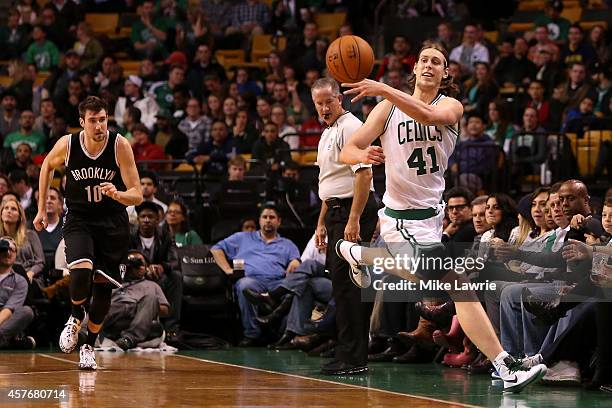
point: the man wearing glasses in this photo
(460, 228)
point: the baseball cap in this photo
(177, 58)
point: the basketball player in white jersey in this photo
(418, 134)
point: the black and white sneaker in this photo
(516, 377)
(87, 358)
(70, 335)
(359, 274)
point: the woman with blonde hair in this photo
(30, 254)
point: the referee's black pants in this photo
(352, 315)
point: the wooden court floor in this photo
(166, 380)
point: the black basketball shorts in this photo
(101, 240)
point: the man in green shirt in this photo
(163, 91)
(149, 33)
(42, 53)
(26, 135)
(558, 27)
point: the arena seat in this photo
(263, 44)
(103, 23)
(207, 290)
(228, 57)
(531, 5)
(329, 23)
(520, 27)
(588, 25)
(573, 14)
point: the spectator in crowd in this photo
(44, 122)
(469, 52)
(569, 94)
(132, 89)
(163, 91)
(103, 75)
(528, 148)
(500, 129)
(9, 115)
(402, 48)
(287, 133)
(581, 118)
(501, 216)
(5, 185)
(303, 51)
(558, 27)
(538, 102)
(446, 36)
(213, 154)
(474, 158)
(480, 89)
(195, 126)
(543, 43)
(214, 110)
(88, 47)
(291, 99)
(173, 141)
(14, 36)
(68, 108)
(203, 64)
(243, 134)
(42, 52)
(22, 189)
(577, 49)
(230, 108)
(51, 235)
(15, 317)
(218, 14)
(271, 151)
(135, 306)
(249, 17)
(156, 245)
(177, 222)
(23, 158)
(30, 255)
(58, 81)
(144, 149)
(149, 185)
(549, 72)
(264, 111)
(149, 33)
(21, 84)
(516, 69)
(597, 40)
(68, 13)
(57, 33)
(267, 257)
(604, 91)
(246, 84)
(26, 134)
(236, 167)
(460, 228)
(59, 129)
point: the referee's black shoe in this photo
(338, 367)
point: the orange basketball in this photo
(349, 59)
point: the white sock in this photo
(499, 360)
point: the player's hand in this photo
(40, 221)
(351, 231)
(109, 189)
(321, 237)
(364, 88)
(372, 155)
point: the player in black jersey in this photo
(101, 180)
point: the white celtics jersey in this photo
(416, 157)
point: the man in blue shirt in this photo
(267, 258)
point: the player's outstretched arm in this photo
(357, 149)
(129, 175)
(54, 160)
(447, 112)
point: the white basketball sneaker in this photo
(516, 377)
(87, 358)
(359, 274)
(70, 335)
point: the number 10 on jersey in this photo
(94, 193)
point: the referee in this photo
(348, 212)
